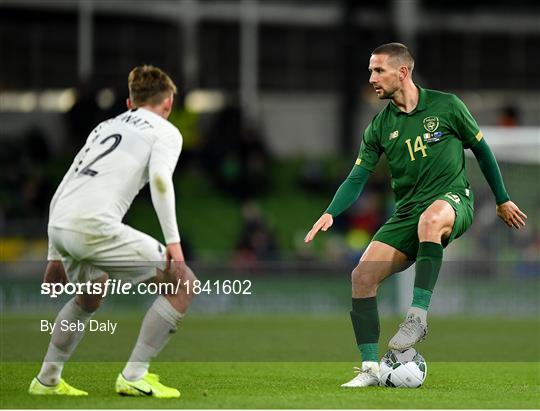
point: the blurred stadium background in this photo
(274, 97)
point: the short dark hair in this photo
(398, 51)
(149, 85)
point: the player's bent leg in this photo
(63, 344)
(160, 322)
(55, 273)
(436, 222)
(379, 261)
(91, 302)
(180, 272)
(434, 226)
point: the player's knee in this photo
(190, 274)
(431, 222)
(89, 303)
(362, 279)
(189, 277)
(188, 282)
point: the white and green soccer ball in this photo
(405, 369)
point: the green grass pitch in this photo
(285, 361)
(287, 385)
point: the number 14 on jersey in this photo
(418, 146)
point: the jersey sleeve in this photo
(465, 125)
(370, 150)
(490, 169)
(349, 191)
(163, 159)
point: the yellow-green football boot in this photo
(62, 388)
(148, 386)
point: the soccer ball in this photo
(404, 369)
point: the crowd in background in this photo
(231, 153)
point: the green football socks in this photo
(421, 298)
(365, 321)
(428, 265)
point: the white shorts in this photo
(128, 254)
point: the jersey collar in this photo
(421, 105)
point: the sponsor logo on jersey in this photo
(431, 123)
(393, 135)
(432, 137)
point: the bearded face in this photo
(384, 75)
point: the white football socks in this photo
(63, 343)
(159, 323)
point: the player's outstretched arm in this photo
(512, 216)
(323, 223)
(347, 193)
(163, 159)
(506, 209)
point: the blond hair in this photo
(149, 86)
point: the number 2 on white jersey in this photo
(92, 173)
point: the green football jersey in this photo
(424, 148)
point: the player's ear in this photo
(403, 73)
(128, 104)
(169, 103)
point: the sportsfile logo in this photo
(119, 287)
(109, 287)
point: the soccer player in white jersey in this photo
(88, 242)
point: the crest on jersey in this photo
(431, 123)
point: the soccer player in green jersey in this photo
(423, 134)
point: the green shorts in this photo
(401, 230)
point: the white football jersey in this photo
(120, 156)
